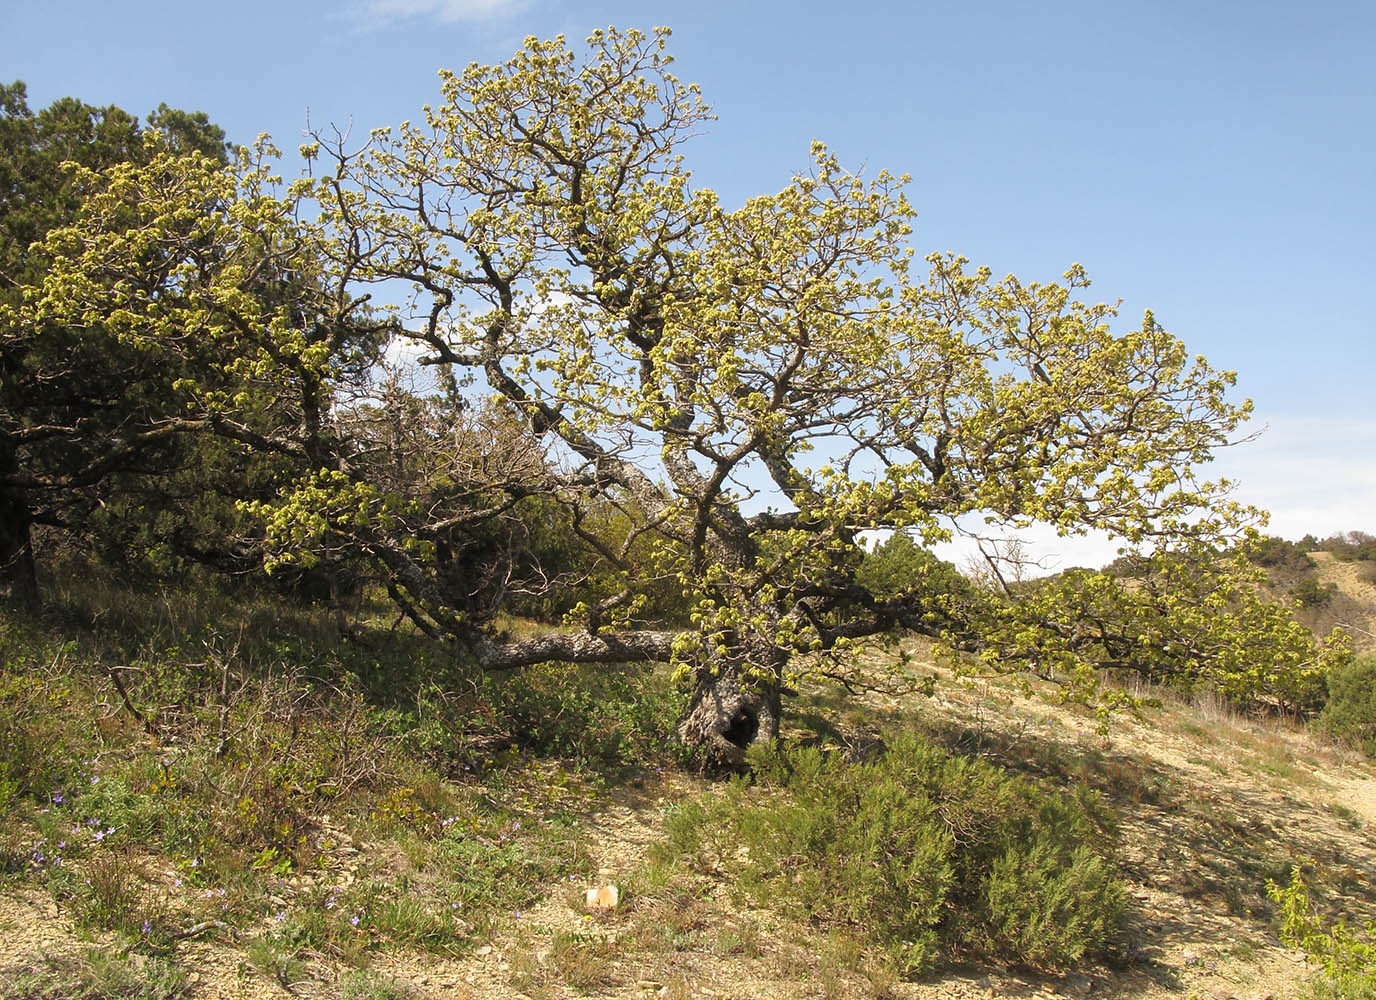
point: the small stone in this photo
(1079, 984)
(605, 898)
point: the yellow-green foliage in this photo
(1346, 958)
(1194, 618)
(656, 358)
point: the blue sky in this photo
(1211, 161)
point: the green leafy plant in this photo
(926, 853)
(1346, 957)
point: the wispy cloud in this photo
(443, 11)
(1314, 475)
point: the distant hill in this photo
(1352, 605)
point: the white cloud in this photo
(1044, 551)
(1314, 475)
(404, 352)
(443, 11)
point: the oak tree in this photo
(753, 386)
(708, 401)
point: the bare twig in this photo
(143, 720)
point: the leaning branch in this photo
(575, 647)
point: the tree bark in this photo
(18, 573)
(728, 713)
(575, 647)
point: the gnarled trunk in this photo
(729, 712)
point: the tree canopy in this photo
(77, 407)
(708, 402)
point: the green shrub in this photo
(1277, 553)
(900, 568)
(1350, 713)
(602, 715)
(930, 855)
(1312, 594)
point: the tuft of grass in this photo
(95, 974)
(277, 957)
(362, 984)
(583, 961)
(742, 937)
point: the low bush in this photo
(1350, 712)
(604, 716)
(1277, 553)
(1312, 594)
(929, 855)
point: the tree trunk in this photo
(18, 574)
(727, 714)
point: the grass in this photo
(157, 772)
(334, 809)
(94, 974)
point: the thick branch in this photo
(575, 647)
